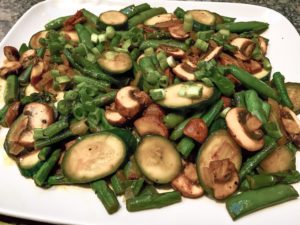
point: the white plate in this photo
(74, 205)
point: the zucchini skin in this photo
(102, 25)
(30, 171)
(293, 90)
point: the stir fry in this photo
(131, 100)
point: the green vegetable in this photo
(56, 23)
(144, 15)
(12, 89)
(240, 27)
(185, 146)
(278, 80)
(171, 120)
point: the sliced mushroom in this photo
(290, 121)
(28, 57)
(223, 177)
(71, 35)
(196, 129)
(36, 73)
(263, 45)
(245, 47)
(226, 59)
(12, 113)
(154, 110)
(253, 66)
(245, 129)
(178, 32)
(182, 73)
(150, 125)
(172, 51)
(10, 67)
(11, 53)
(113, 116)
(187, 182)
(167, 24)
(78, 17)
(214, 53)
(142, 97)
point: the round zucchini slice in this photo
(115, 62)
(203, 16)
(35, 39)
(113, 18)
(158, 159)
(281, 159)
(293, 90)
(30, 163)
(172, 99)
(94, 157)
(219, 150)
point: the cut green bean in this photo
(171, 120)
(213, 112)
(12, 89)
(45, 153)
(117, 182)
(56, 23)
(278, 80)
(185, 146)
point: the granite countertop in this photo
(12, 10)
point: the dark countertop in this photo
(9, 15)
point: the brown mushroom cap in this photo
(178, 32)
(151, 125)
(10, 67)
(182, 73)
(245, 47)
(172, 51)
(214, 53)
(239, 131)
(36, 73)
(11, 53)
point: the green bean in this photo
(91, 17)
(144, 15)
(25, 76)
(137, 186)
(225, 86)
(253, 161)
(131, 170)
(148, 190)
(56, 139)
(102, 86)
(55, 128)
(156, 43)
(185, 146)
(23, 48)
(260, 181)
(171, 120)
(105, 99)
(106, 195)
(254, 105)
(250, 201)
(179, 13)
(117, 182)
(213, 112)
(84, 36)
(127, 10)
(227, 19)
(266, 108)
(58, 180)
(289, 177)
(240, 27)
(56, 23)
(218, 124)
(42, 174)
(152, 201)
(45, 153)
(3, 113)
(252, 82)
(132, 10)
(64, 107)
(115, 41)
(178, 131)
(158, 35)
(278, 80)
(12, 89)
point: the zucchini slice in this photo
(158, 159)
(172, 99)
(115, 62)
(30, 163)
(35, 39)
(219, 146)
(160, 19)
(293, 90)
(282, 159)
(113, 18)
(263, 75)
(94, 157)
(203, 17)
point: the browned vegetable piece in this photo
(245, 47)
(172, 51)
(223, 178)
(263, 45)
(184, 72)
(11, 53)
(296, 140)
(151, 125)
(142, 97)
(113, 116)
(245, 129)
(154, 110)
(196, 129)
(227, 101)
(10, 67)
(213, 54)
(28, 57)
(167, 24)
(253, 66)
(12, 113)
(290, 121)
(36, 73)
(70, 35)
(69, 24)
(178, 32)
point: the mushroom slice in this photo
(253, 66)
(11, 53)
(166, 17)
(113, 116)
(12, 113)
(245, 47)
(249, 138)
(263, 45)
(290, 121)
(154, 110)
(10, 67)
(28, 57)
(126, 104)
(172, 51)
(36, 73)
(196, 129)
(142, 97)
(151, 125)
(181, 72)
(178, 32)
(71, 35)
(214, 53)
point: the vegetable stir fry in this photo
(132, 99)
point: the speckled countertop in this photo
(12, 10)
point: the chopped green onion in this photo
(224, 32)
(94, 38)
(163, 81)
(55, 73)
(194, 91)
(182, 91)
(224, 112)
(126, 44)
(266, 63)
(161, 55)
(62, 79)
(202, 45)
(110, 32)
(117, 49)
(96, 52)
(171, 61)
(188, 23)
(205, 35)
(152, 77)
(149, 51)
(91, 57)
(101, 38)
(157, 94)
(207, 82)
